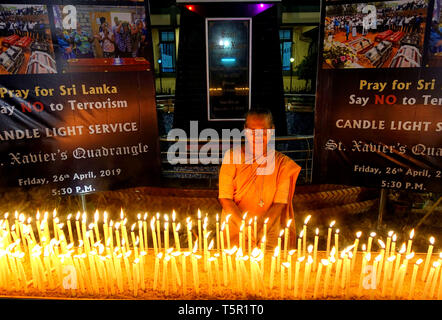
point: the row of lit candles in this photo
(92, 266)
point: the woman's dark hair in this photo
(260, 112)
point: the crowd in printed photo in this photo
(103, 33)
(394, 39)
(25, 37)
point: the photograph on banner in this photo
(25, 37)
(381, 34)
(101, 38)
(435, 38)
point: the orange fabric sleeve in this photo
(226, 176)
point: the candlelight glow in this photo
(432, 240)
(411, 234)
(358, 234)
(307, 219)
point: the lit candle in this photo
(146, 242)
(249, 237)
(306, 276)
(297, 267)
(200, 237)
(329, 236)
(387, 269)
(300, 244)
(285, 265)
(393, 244)
(370, 241)
(240, 236)
(176, 237)
(166, 232)
(278, 260)
(327, 273)
(315, 249)
(77, 226)
(355, 249)
(189, 233)
(154, 237)
(105, 230)
(96, 217)
(228, 232)
(365, 260)
(265, 228)
(304, 239)
(286, 238)
(375, 267)
(337, 240)
(410, 241)
(434, 281)
(272, 267)
(71, 238)
(218, 246)
(255, 230)
(318, 277)
(381, 262)
(387, 246)
(429, 279)
(427, 259)
(396, 267)
(413, 278)
(158, 232)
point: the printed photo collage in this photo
(45, 39)
(382, 34)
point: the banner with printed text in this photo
(77, 97)
(379, 104)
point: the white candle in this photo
(427, 258)
(304, 239)
(410, 241)
(329, 236)
(337, 240)
(355, 249)
(315, 249)
(370, 240)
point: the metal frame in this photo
(207, 65)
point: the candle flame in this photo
(368, 257)
(419, 261)
(121, 214)
(301, 234)
(291, 252)
(307, 219)
(378, 258)
(310, 260)
(289, 223)
(281, 233)
(317, 231)
(166, 217)
(394, 237)
(210, 245)
(199, 214)
(244, 216)
(195, 246)
(222, 226)
(68, 218)
(337, 231)
(217, 217)
(381, 243)
(325, 262)
(276, 251)
(436, 264)
(91, 226)
(332, 223)
(132, 228)
(96, 216)
(227, 218)
(403, 248)
(432, 240)
(286, 264)
(158, 216)
(373, 234)
(178, 227)
(411, 234)
(266, 220)
(409, 256)
(76, 218)
(390, 233)
(263, 240)
(145, 216)
(391, 258)
(333, 251)
(139, 216)
(358, 234)
(310, 248)
(250, 221)
(300, 259)
(173, 215)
